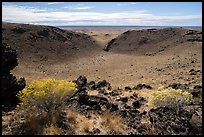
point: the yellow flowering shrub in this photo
(172, 98)
(40, 89)
(43, 101)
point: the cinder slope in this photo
(36, 43)
(153, 41)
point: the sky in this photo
(104, 13)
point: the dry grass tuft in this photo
(52, 130)
(72, 118)
(113, 122)
(85, 126)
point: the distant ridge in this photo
(129, 26)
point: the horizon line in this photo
(108, 25)
(126, 26)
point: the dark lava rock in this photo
(81, 82)
(102, 91)
(19, 30)
(143, 129)
(192, 72)
(179, 86)
(169, 121)
(10, 88)
(101, 84)
(10, 85)
(107, 48)
(143, 113)
(134, 111)
(63, 123)
(141, 86)
(123, 113)
(114, 93)
(109, 86)
(114, 107)
(190, 32)
(44, 33)
(198, 39)
(192, 61)
(159, 69)
(126, 106)
(96, 131)
(124, 99)
(128, 88)
(132, 118)
(21, 83)
(138, 102)
(61, 37)
(82, 79)
(197, 91)
(126, 32)
(9, 58)
(92, 101)
(150, 30)
(92, 85)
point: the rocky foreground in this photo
(96, 108)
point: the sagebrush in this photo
(172, 98)
(43, 101)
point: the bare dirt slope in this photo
(162, 56)
(35, 43)
(153, 41)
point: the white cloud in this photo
(51, 3)
(125, 4)
(78, 7)
(22, 14)
(82, 7)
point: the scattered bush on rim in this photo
(169, 97)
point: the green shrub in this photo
(169, 97)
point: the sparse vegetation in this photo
(40, 90)
(52, 130)
(43, 101)
(172, 98)
(43, 110)
(85, 127)
(113, 122)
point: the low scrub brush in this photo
(42, 101)
(169, 97)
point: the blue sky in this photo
(104, 13)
